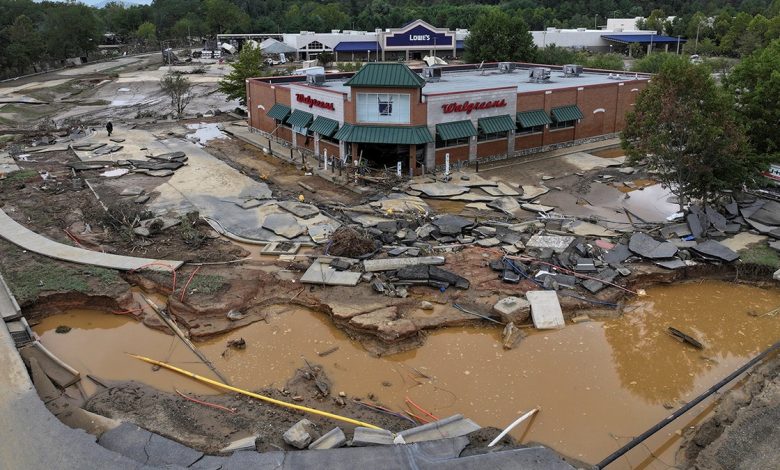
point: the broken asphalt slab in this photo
(284, 225)
(147, 448)
(713, 249)
(439, 189)
(647, 247)
(449, 224)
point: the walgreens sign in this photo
(311, 102)
(467, 106)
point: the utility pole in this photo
(678, 44)
(696, 46)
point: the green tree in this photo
(179, 90)
(223, 16)
(25, 45)
(653, 63)
(70, 30)
(249, 64)
(684, 125)
(602, 61)
(755, 83)
(496, 36)
(147, 32)
(325, 58)
(555, 55)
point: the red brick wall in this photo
(491, 147)
(460, 153)
(263, 94)
(528, 141)
(333, 149)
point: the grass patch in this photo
(29, 282)
(206, 284)
(21, 176)
(761, 255)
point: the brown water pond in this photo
(598, 383)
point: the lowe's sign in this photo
(419, 36)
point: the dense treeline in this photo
(33, 32)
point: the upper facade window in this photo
(393, 108)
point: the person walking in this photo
(109, 128)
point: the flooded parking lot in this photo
(598, 383)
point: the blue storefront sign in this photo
(419, 36)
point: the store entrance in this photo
(384, 156)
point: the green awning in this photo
(566, 113)
(279, 112)
(300, 118)
(495, 124)
(533, 118)
(455, 130)
(324, 126)
(384, 134)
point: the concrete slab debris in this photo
(300, 434)
(501, 189)
(488, 242)
(453, 426)
(531, 192)
(392, 264)
(60, 373)
(299, 209)
(321, 233)
(284, 225)
(513, 309)
(545, 309)
(321, 273)
(476, 181)
(694, 224)
(507, 205)
(536, 207)
(371, 437)
(585, 229)
(330, 440)
(439, 189)
(713, 249)
(249, 203)
(472, 197)
(768, 214)
(245, 443)
(558, 243)
(280, 248)
(132, 191)
(644, 245)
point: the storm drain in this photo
(20, 332)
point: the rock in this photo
(513, 310)
(511, 336)
(425, 305)
(235, 315)
(142, 231)
(580, 319)
(300, 435)
(776, 275)
(247, 443)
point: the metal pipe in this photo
(637, 440)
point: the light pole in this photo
(678, 45)
(368, 55)
(595, 21)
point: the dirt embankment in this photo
(743, 432)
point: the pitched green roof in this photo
(455, 130)
(566, 113)
(382, 74)
(324, 126)
(493, 124)
(279, 112)
(384, 134)
(533, 118)
(300, 118)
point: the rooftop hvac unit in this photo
(540, 74)
(572, 70)
(316, 79)
(506, 67)
(431, 74)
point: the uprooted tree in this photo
(179, 90)
(685, 127)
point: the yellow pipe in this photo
(255, 395)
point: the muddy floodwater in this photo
(598, 383)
